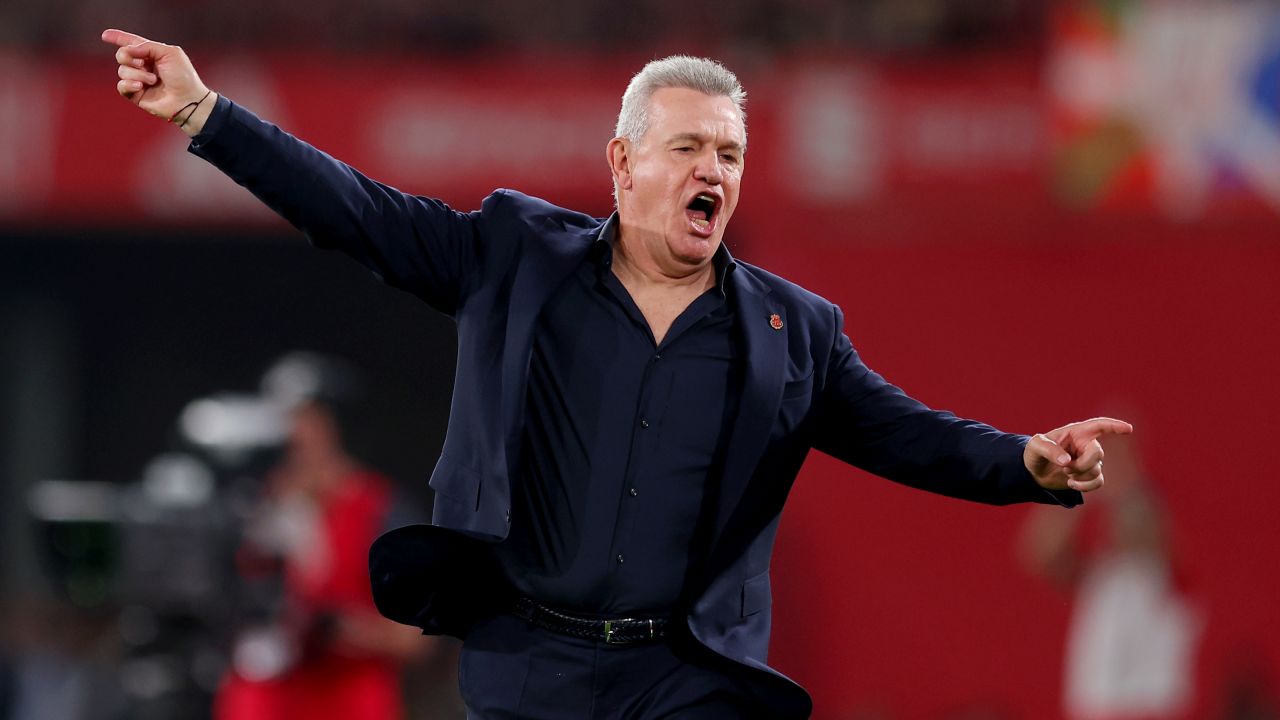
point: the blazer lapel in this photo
(762, 323)
(545, 268)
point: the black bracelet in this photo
(193, 105)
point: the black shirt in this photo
(623, 439)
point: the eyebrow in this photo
(695, 137)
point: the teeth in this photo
(702, 224)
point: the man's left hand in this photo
(1070, 458)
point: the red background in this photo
(963, 282)
(887, 596)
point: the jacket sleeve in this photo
(869, 423)
(414, 243)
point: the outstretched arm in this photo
(874, 425)
(418, 244)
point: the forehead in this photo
(676, 111)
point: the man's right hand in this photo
(160, 79)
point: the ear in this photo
(619, 155)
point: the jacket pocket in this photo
(456, 481)
(756, 595)
(798, 388)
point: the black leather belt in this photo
(620, 631)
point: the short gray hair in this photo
(678, 71)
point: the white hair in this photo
(678, 71)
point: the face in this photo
(313, 432)
(678, 186)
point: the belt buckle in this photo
(609, 630)
(608, 634)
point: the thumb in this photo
(1041, 446)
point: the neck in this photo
(637, 267)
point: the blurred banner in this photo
(828, 137)
(1171, 106)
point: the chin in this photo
(696, 251)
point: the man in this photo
(631, 407)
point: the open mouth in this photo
(701, 212)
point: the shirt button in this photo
(657, 357)
(508, 515)
(619, 558)
(644, 423)
(633, 492)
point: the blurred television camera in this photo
(190, 558)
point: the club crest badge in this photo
(775, 321)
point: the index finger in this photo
(1103, 426)
(121, 38)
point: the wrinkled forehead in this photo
(685, 112)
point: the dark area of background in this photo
(155, 321)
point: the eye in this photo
(729, 158)
(684, 149)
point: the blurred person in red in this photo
(313, 645)
(1133, 635)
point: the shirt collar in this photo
(602, 253)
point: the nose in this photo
(708, 169)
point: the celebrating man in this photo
(631, 406)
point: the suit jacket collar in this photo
(762, 324)
(545, 268)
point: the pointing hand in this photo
(1070, 457)
(160, 79)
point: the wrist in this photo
(193, 123)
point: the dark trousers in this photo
(511, 669)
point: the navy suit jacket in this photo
(492, 270)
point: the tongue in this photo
(697, 214)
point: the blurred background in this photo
(1031, 212)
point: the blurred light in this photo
(232, 423)
(74, 501)
(148, 677)
(177, 480)
(262, 654)
(293, 379)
